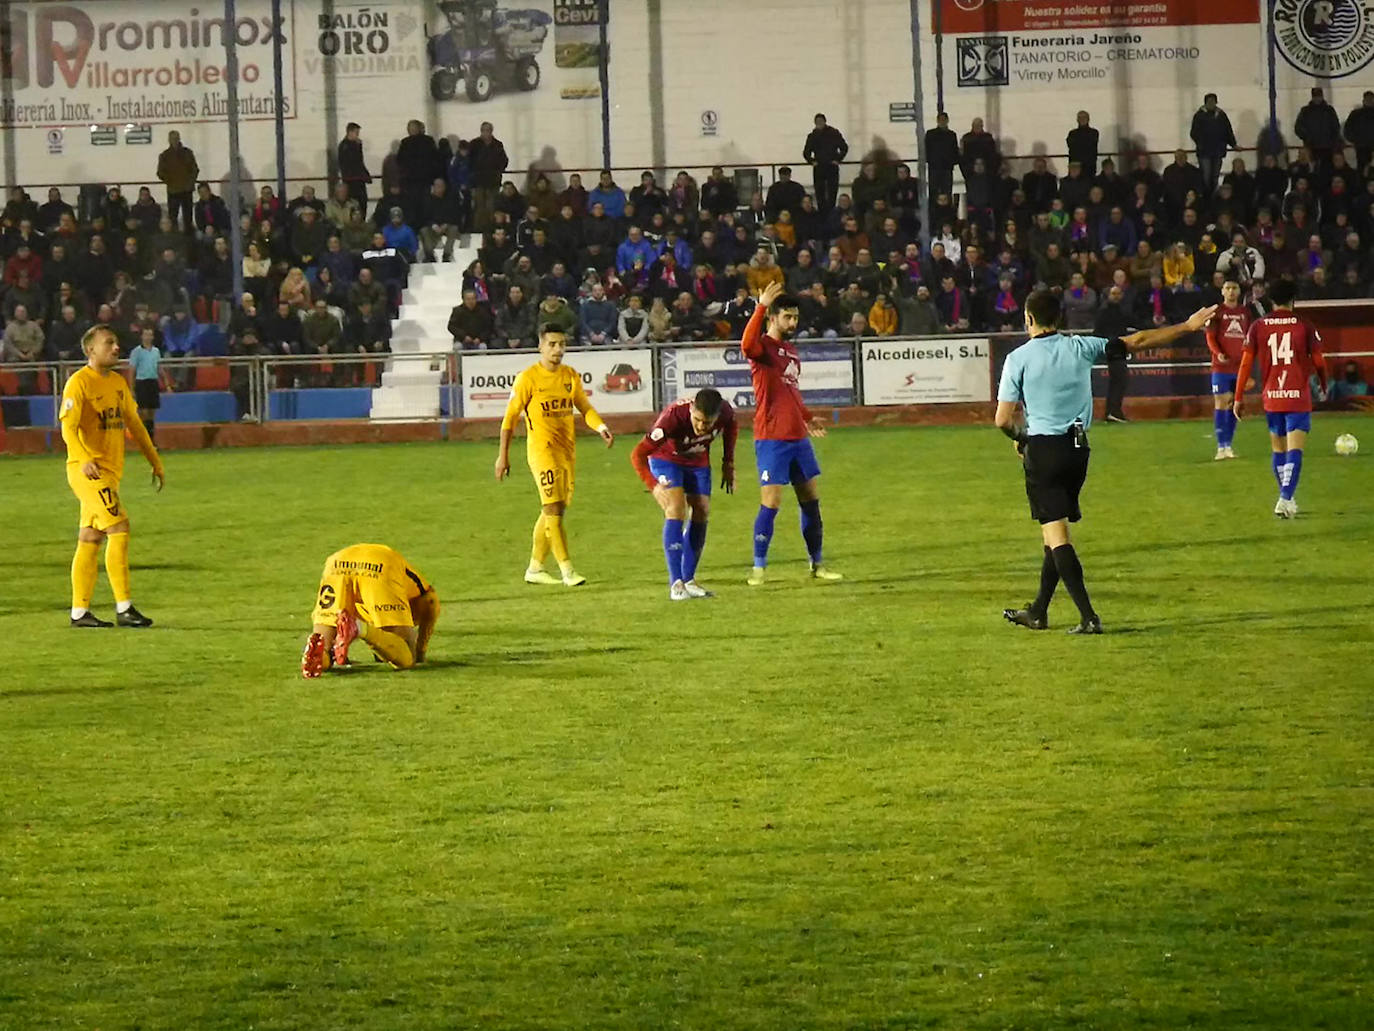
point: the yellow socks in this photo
(85, 567)
(540, 551)
(117, 566)
(392, 648)
(558, 540)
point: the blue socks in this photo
(763, 533)
(1280, 459)
(1224, 423)
(672, 548)
(693, 541)
(1288, 474)
(811, 528)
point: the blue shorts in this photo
(1283, 423)
(693, 479)
(1223, 383)
(785, 461)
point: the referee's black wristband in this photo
(1016, 433)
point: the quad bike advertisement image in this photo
(478, 49)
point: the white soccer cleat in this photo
(1286, 508)
(1220, 455)
(1292, 508)
(820, 572)
(573, 579)
(678, 592)
(695, 590)
(540, 576)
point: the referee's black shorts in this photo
(1055, 471)
(147, 394)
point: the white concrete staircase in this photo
(410, 386)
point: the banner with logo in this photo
(615, 381)
(1051, 44)
(118, 61)
(919, 372)
(827, 373)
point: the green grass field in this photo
(863, 805)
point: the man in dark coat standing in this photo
(1359, 131)
(1213, 136)
(488, 158)
(824, 150)
(352, 166)
(942, 155)
(1319, 127)
(418, 162)
(1082, 140)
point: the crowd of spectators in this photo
(684, 260)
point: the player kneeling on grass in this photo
(674, 461)
(370, 591)
(545, 396)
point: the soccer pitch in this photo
(869, 804)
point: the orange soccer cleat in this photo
(345, 633)
(312, 659)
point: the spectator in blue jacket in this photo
(599, 318)
(681, 250)
(400, 236)
(610, 196)
(634, 247)
(1119, 231)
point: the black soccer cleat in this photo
(1026, 618)
(90, 619)
(132, 617)
(1091, 625)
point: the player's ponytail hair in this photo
(708, 402)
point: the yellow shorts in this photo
(375, 582)
(100, 504)
(553, 480)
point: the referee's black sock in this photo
(1049, 580)
(1071, 572)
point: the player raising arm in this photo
(546, 395)
(370, 591)
(782, 424)
(1289, 349)
(1226, 340)
(97, 407)
(674, 461)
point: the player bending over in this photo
(546, 395)
(1289, 349)
(97, 407)
(369, 591)
(782, 424)
(1226, 340)
(674, 461)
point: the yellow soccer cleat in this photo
(756, 576)
(819, 572)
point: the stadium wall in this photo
(691, 83)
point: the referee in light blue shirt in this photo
(1050, 376)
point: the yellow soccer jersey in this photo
(373, 580)
(96, 409)
(547, 400)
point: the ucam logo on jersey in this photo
(917, 372)
(614, 381)
(827, 373)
